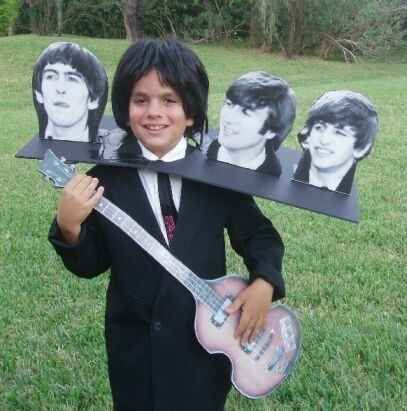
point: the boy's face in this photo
(64, 94)
(156, 114)
(331, 145)
(240, 128)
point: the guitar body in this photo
(258, 368)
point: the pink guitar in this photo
(257, 367)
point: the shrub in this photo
(9, 10)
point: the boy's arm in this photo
(254, 237)
(75, 234)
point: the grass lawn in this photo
(347, 281)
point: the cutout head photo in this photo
(257, 115)
(340, 131)
(69, 93)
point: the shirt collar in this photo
(175, 153)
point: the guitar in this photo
(259, 366)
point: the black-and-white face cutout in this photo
(70, 89)
(66, 100)
(340, 131)
(331, 145)
(241, 128)
(257, 115)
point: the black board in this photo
(196, 166)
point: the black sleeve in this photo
(90, 256)
(254, 237)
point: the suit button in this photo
(157, 326)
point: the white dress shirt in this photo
(149, 181)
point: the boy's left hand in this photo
(255, 302)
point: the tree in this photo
(132, 15)
(357, 28)
(42, 16)
(263, 23)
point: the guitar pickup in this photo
(219, 318)
(250, 346)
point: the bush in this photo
(94, 19)
(9, 10)
(209, 20)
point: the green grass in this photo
(347, 281)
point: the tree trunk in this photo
(132, 16)
(296, 10)
(301, 26)
(59, 6)
(262, 24)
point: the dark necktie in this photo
(168, 209)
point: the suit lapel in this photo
(138, 207)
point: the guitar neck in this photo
(198, 287)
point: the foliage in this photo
(101, 19)
(9, 10)
(208, 20)
(351, 28)
(355, 27)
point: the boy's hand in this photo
(78, 199)
(255, 302)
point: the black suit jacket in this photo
(154, 359)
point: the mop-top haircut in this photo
(257, 90)
(177, 66)
(345, 108)
(88, 66)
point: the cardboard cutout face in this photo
(257, 115)
(69, 93)
(339, 132)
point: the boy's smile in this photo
(156, 114)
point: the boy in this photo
(69, 93)
(160, 95)
(257, 115)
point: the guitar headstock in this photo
(55, 170)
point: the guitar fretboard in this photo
(202, 292)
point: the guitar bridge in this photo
(276, 359)
(219, 318)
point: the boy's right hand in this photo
(78, 199)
